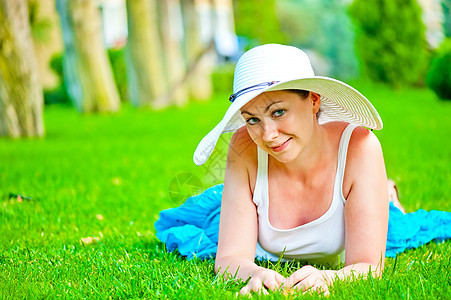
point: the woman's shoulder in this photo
(243, 150)
(242, 147)
(364, 142)
(361, 138)
(242, 144)
(242, 157)
(364, 154)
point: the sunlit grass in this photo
(107, 177)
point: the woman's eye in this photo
(252, 121)
(278, 112)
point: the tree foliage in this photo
(439, 75)
(446, 5)
(323, 26)
(40, 27)
(391, 40)
(257, 21)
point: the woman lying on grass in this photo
(304, 178)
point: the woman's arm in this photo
(366, 210)
(238, 228)
(366, 216)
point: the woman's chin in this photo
(285, 157)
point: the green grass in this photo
(108, 176)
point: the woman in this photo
(304, 178)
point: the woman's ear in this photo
(316, 101)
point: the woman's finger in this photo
(274, 281)
(306, 284)
(253, 286)
(257, 286)
(319, 288)
(299, 276)
(280, 279)
(312, 283)
(245, 290)
(264, 280)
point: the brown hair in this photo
(301, 93)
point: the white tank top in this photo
(320, 241)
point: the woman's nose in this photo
(270, 131)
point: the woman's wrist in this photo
(350, 271)
(237, 267)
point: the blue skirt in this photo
(193, 227)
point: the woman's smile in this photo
(282, 146)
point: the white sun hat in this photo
(275, 67)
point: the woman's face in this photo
(281, 122)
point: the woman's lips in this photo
(281, 147)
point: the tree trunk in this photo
(172, 28)
(87, 71)
(198, 41)
(51, 44)
(21, 99)
(147, 82)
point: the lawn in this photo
(93, 187)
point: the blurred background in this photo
(96, 55)
(103, 102)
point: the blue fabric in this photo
(411, 230)
(193, 227)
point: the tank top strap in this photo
(342, 153)
(261, 183)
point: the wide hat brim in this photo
(339, 102)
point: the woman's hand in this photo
(308, 278)
(263, 279)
